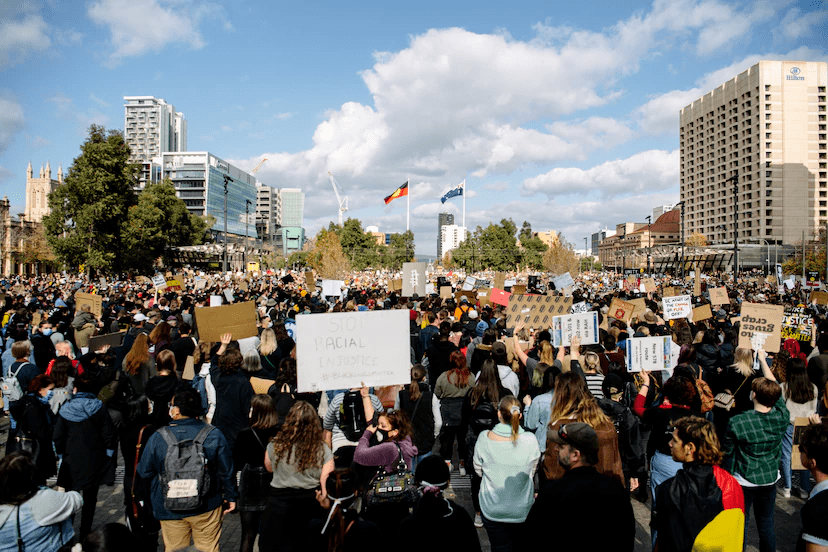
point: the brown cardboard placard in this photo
(94, 301)
(819, 297)
(537, 310)
(310, 281)
(621, 310)
(483, 296)
(799, 427)
(238, 319)
(702, 313)
(640, 307)
(395, 285)
(244, 286)
(670, 291)
(36, 318)
(96, 342)
(446, 292)
(761, 318)
(649, 284)
(697, 281)
(499, 279)
(519, 289)
(718, 296)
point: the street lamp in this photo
(649, 241)
(682, 237)
(735, 180)
(247, 204)
(224, 264)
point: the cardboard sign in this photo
(395, 285)
(243, 286)
(445, 292)
(239, 320)
(761, 323)
(346, 350)
(332, 288)
(36, 318)
(414, 279)
(650, 354)
(621, 310)
(499, 280)
(697, 284)
(679, 306)
(518, 289)
(173, 285)
(702, 313)
(819, 297)
(200, 284)
(670, 291)
(563, 281)
(718, 296)
(507, 284)
(799, 428)
(430, 289)
(310, 281)
(159, 281)
(648, 284)
(640, 307)
(483, 296)
(537, 310)
(94, 301)
(499, 297)
(97, 342)
(584, 325)
(797, 325)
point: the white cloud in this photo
(97, 100)
(20, 36)
(648, 170)
(796, 24)
(12, 121)
(140, 26)
(283, 116)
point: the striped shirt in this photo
(594, 382)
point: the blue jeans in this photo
(804, 475)
(503, 537)
(416, 460)
(764, 498)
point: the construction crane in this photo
(258, 166)
(342, 199)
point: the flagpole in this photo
(408, 205)
(464, 204)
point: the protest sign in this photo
(536, 310)
(159, 281)
(584, 325)
(499, 297)
(813, 279)
(799, 428)
(483, 296)
(796, 324)
(97, 342)
(239, 320)
(819, 297)
(621, 310)
(518, 289)
(445, 292)
(430, 288)
(244, 286)
(640, 307)
(94, 302)
(216, 300)
(679, 306)
(763, 322)
(174, 285)
(579, 308)
(413, 279)
(469, 283)
(228, 294)
(702, 313)
(395, 285)
(499, 279)
(650, 354)
(332, 288)
(563, 281)
(649, 284)
(36, 318)
(670, 291)
(200, 284)
(697, 284)
(507, 284)
(347, 350)
(718, 296)
(310, 281)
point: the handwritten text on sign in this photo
(343, 350)
(679, 306)
(585, 326)
(759, 318)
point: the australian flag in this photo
(458, 191)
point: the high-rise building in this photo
(451, 236)
(266, 211)
(290, 205)
(38, 190)
(199, 178)
(443, 219)
(765, 129)
(152, 127)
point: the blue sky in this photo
(563, 116)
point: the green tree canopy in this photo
(495, 247)
(327, 258)
(90, 208)
(362, 250)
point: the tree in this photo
(560, 258)
(356, 244)
(90, 209)
(34, 248)
(327, 258)
(400, 250)
(159, 219)
(696, 239)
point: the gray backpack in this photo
(185, 481)
(10, 386)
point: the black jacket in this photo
(233, 396)
(422, 420)
(630, 444)
(36, 421)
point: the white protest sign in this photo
(429, 289)
(650, 354)
(469, 283)
(215, 301)
(583, 325)
(509, 283)
(678, 306)
(344, 350)
(228, 294)
(578, 308)
(562, 281)
(159, 281)
(414, 279)
(332, 287)
(789, 283)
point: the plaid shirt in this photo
(753, 443)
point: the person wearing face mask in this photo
(42, 347)
(35, 424)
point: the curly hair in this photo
(680, 390)
(702, 434)
(300, 438)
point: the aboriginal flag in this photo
(402, 191)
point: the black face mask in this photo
(382, 435)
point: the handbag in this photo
(726, 399)
(254, 484)
(139, 518)
(28, 445)
(397, 487)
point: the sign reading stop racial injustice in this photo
(346, 350)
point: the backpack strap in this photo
(19, 368)
(168, 436)
(401, 465)
(202, 435)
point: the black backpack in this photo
(352, 420)
(185, 481)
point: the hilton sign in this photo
(794, 76)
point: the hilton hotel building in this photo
(767, 126)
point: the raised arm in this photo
(763, 363)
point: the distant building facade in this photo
(451, 236)
(38, 190)
(443, 219)
(152, 127)
(550, 238)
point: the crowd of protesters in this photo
(544, 433)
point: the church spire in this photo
(48, 170)
(41, 171)
(60, 173)
(29, 172)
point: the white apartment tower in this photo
(767, 128)
(152, 127)
(451, 236)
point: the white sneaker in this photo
(462, 470)
(478, 521)
(786, 493)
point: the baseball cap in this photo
(577, 434)
(498, 347)
(140, 317)
(472, 314)
(613, 387)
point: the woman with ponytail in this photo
(423, 409)
(342, 530)
(437, 524)
(505, 457)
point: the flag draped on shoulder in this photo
(456, 191)
(402, 191)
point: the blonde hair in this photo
(592, 361)
(572, 400)
(268, 344)
(743, 361)
(510, 413)
(702, 434)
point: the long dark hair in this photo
(458, 369)
(342, 483)
(418, 374)
(488, 384)
(799, 388)
(17, 478)
(61, 370)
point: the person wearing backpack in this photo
(17, 380)
(346, 419)
(191, 471)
